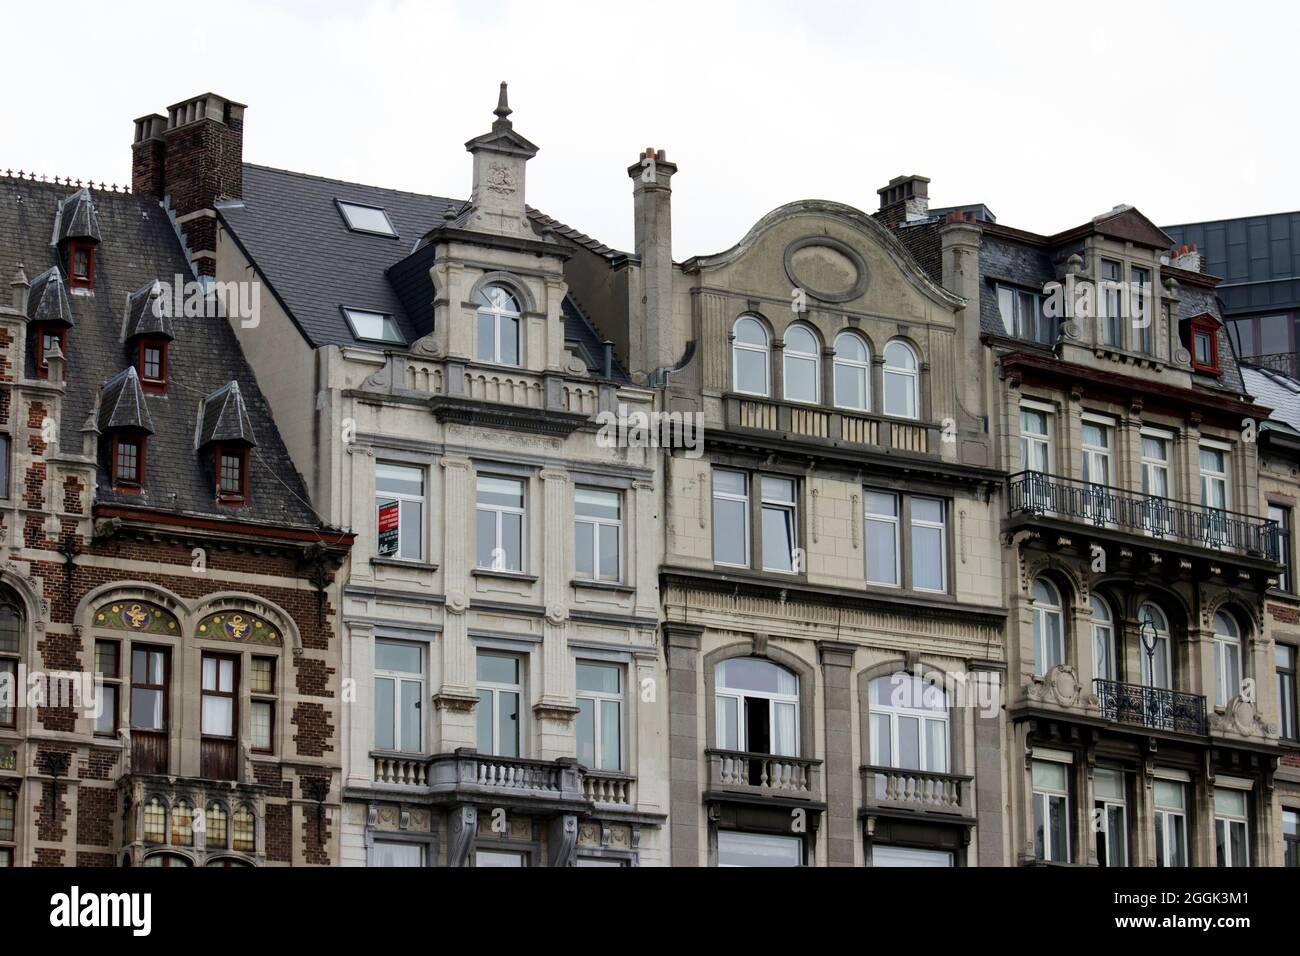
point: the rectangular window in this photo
(1291, 838)
(126, 460)
(1035, 440)
(399, 511)
(1215, 495)
(1096, 453)
(8, 805)
(758, 849)
(366, 218)
(1231, 843)
(1282, 516)
(219, 696)
(499, 523)
(399, 696)
(780, 535)
(106, 719)
(5, 466)
(1112, 331)
(1023, 316)
(929, 544)
(9, 681)
(261, 681)
(1171, 823)
(600, 716)
(882, 537)
(148, 689)
(1051, 811)
(151, 361)
(598, 534)
(906, 856)
(373, 326)
(731, 518)
(1204, 348)
(503, 858)
(1110, 816)
(1140, 303)
(500, 693)
(1288, 719)
(388, 853)
(230, 472)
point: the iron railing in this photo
(1036, 493)
(1152, 707)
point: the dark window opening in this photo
(151, 364)
(232, 473)
(127, 460)
(81, 265)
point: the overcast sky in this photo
(1049, 113)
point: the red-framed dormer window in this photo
(81, 265)
(151, 364)
(230, 462)
(46, 337)
(126, 461)
(1203, 343)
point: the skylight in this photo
(366, 218)
(373, 326)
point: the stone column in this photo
(682, 647)
(554, 708)
(456, 697)
(358, 719)
(838, 770)
(987, 766)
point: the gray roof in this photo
(122, 404)
(148, 312)
(139, 245)
(47, 300)
(290, 226)
(1258, 258)
(76, 218)
(1277, 391)
(224, 418)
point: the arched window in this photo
(802, 364)
(155, 821)
(11, 629)
(749, 357)
(1049, 627)
(757, 707)
(497, 326)
(182, 824)
(1103, 641)
(166, 859)
(1227, 659)
(244, 829)
(1153, 629)
(909, 723)
(901, 381)
(217, 828)
(852, 372)
(228, 861)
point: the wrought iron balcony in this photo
(1151, 707)
(919, 791)
(767, 775)
(1103, 507)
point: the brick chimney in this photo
(192, 158)
(1187, 257)
(905, 199)
(652, 195)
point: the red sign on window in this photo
(389, 517)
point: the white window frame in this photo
(497, 511)
(1223, 478)
(894, 714)
(1107, 804)
(853, 365)
(1103, 638)
(814, 358)
(1227, 644)
(1163, 653)
(1169, 818)
(942, 526)
(501, 318)
(911, 375)
(1096, 456)
(765, 350)
(597, 697)
(771, 838)
(773, 698)
(1140, 300)
(1111, 302)
(896, 522)
(1022, 326)
(399, 678)
(1047, 795)
(401, 498)
(1041, 439)
(1039, 612)
(596, 522)
(496, 688)
(1227, 820)
(730, 496)
(788, 507)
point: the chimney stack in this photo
(192, 158)
(1187, 258)
(905, 199)
(652, 193)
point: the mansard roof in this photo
(147, 313)
(47, 300)
(122, 404)
(140, 246)
(223, 418)
(76, 218)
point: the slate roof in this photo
(77, 218)
(1277, 391)
(47, 299)
(290, 225)
(122, 404)
(224, 418)
(148, 313)
(139, 244)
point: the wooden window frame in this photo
(6, 465)
(88, 280)
(128, 484)
(231, 451)
(147, 382)
(164, 687)
(232, 695)
(113, 680)
(1207, 324)
(266, 697)
(41, 330)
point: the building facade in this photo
(167, 608)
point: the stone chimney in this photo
(905, 199)
(192, 158)
(497, 196)
(652, 194)
(1187, 258)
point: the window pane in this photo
(146, 709)
(751, 371)
(106, 722)
(509, 340)
(900, 399)
(398, 656)
(485, 349)
(392, 854)
(384, 692)
(485, 539)
(512, 541)
(500, 492)
(778, 539)
(589, 503)
(882, 552)
(729, 519)
(611, 735)
(584, 548)
(410, 715)
(728, 723)
(399, 479)
(260, 718)
(609, 552)
(1058, 824)
(262, 678)
(412, 531)
(484, 716)
(498, 669)
(882, 855)
(850, 387)
(1049, 775)
(936, 746)
(800, 378)
(218, 716)
(507, 724)
(909, 743)
(602, 678)
(882, 754)
(1229, 802)
(105, 656)
(927, 558)
(367, 219)
(758, 849)
(586, 731)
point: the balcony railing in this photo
(1288, 363)
(609, 788)
(924, 791)
(1036, 493)
(1153, 707)
(830, 425)
(764, 774)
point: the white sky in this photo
(1047, 112)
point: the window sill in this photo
(504, 575)
(593, 585)
(377, 561)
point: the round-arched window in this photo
(901, 380)
(909, 723)
(497, 326)
(1227, 658)
(1049, 627)
(852, 372)
(1105, 666)
(1153, 627)
(757, 707)
(802, 363)
(749, 357)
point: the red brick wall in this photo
(96, 811)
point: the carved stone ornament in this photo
(427, 346)
(557, 614)
(1243, 717)
(457, 602)
(1061, 685)
(500, 179)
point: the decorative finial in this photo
(502, 111)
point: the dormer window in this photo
(151, 364)
(497, 327)
(231, 469)
(81, 264)
(127, 460)
(47, 339)
(1202, 339)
